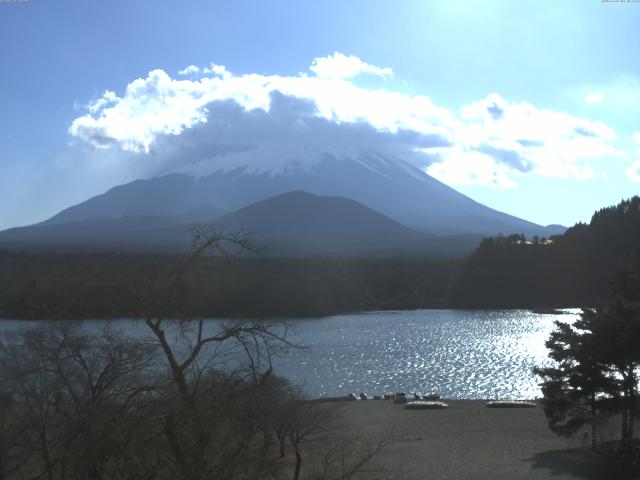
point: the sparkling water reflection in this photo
(457, 353)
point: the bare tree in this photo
(72, 393)
(344, 458)
(214, 370)
(194, 399)
(309, 423)
(228, 400)
(334, 454)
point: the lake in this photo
(457, 353)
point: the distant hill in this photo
(299, 223)
(566, 270)
(301, 214)
(131, 231)
(126, 233)
(291, 224)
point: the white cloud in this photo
(190, 70)
(151, 106)
(212, 69)
(594, 98)
(468, 167)
(219, 70)
(489, 142)
(633, 172)
(617, 97)
(160, 105)
(498, 141)
(108, 97)
(343, 66)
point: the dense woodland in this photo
(573, 269)
(94, 286)
(585, 264)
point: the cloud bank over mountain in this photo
(166, 121)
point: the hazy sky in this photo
(532, 108)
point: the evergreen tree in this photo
(596, 372)
(570, 269)
(616, 329)
(573, 388)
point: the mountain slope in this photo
(303, 214)
(129, 232)
(299, 222)
(238, 177)
(291, 224)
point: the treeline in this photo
(572, 269)
(100, 285)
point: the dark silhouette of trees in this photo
(70, 398)
(574, 269)
(572, 389)
(626, 283)
(596, 372)
(307, 424)
(75, 286)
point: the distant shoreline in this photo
(538, 311)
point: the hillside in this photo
(566, 270)
(302, 224)
(291, 224)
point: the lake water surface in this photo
(457, 353)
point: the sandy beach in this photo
(468, 441)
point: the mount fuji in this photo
(233, 178)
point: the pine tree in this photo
(596, 372)
(573, 389)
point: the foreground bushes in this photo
(78, 405)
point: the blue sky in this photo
(552, 67)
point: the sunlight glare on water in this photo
(456, 353)
(459, 354)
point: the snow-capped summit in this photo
(282, 160)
